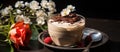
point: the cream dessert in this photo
(66, 30)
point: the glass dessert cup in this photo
(66, 34)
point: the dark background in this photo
(107, 9)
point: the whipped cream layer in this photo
(68, 25)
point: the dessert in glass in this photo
(66, 30)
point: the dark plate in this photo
(44, 34)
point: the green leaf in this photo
(45, 27)
(11, 48)
(10, 44)
(34, 32)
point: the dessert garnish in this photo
(67, 15)
(67, 10)
(48, 40)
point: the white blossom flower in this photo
(6, 11)
(19, 18)
(44, 3)
(10, 8)
(23, 18)
(50, 14)
(28, 11)
(40, 20)
(18, 11)
(19, 4)
(70, 7)
(67, 10)
(51, 9)
(27, 4)
(40, 13)
(51, 3)
(34, 5)
(27, 20)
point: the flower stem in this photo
(42, 28)
(11, 18)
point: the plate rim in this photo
(105, 38)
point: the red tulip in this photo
(20, 34)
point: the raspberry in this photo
(48, 40)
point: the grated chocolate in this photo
(71, 18)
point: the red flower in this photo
(20, 34)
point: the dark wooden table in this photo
(108, 26)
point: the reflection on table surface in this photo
(110, 27)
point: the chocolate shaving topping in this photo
(71, 18)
